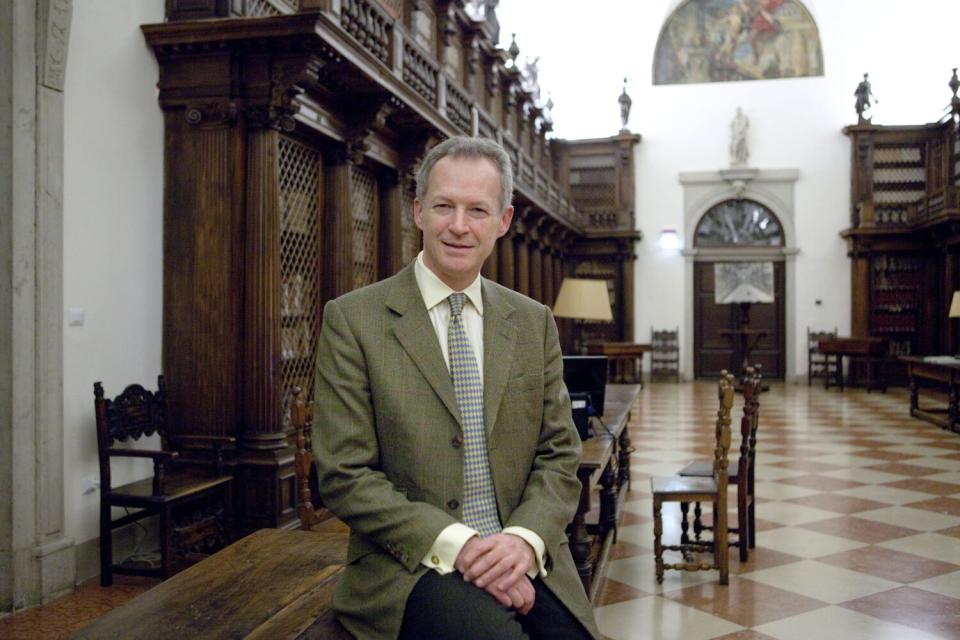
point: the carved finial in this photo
(954, 85)
(625, 103)
(514, 49)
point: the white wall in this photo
(908, 49)
(112, 211)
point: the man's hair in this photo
(466, 147)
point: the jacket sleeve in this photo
(346, 450)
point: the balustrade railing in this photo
(420, 72)
(367, 23)
(458, 109)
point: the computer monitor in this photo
(587, 374)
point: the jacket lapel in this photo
(499, 341)
(415, 334)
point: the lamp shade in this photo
(583, 299)
(955, 305)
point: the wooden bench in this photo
(275, 584)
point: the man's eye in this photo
(442, 206)
(479, 213)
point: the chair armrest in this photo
(160, 458)
(143, 453)
(216, 443)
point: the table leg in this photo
(623, 461)
(608, 501)
(953, 412)
(579, 536)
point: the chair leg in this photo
(744, 532)
(697, 521)
(721, 552)
(751, 521)
(684, 524)
(106, 547)
(166, 542)
(657, 532)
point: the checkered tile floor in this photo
(858, 521)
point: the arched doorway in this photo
(738, 230)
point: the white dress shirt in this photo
(443, 554)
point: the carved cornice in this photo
(211, 114)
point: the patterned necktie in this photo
(479, 500)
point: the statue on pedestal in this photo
(739, 153)
(625, 103)
(863, 95)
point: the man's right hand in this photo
(516, 590)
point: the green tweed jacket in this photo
(384, 427)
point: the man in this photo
(443, 435)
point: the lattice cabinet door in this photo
(299, 177)
(365, 211)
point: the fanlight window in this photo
(739, 223)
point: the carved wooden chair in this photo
(193, 499)
(740, 472)
(819, 365)
(312, 514)
(665, 353)
(313, 517)
(687, 489)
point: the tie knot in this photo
(456, 303)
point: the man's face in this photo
(460, 218)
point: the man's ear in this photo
(418, 213)
(505, 219)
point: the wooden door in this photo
(713, 351)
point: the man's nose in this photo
(458, 224)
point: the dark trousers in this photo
(448, 608)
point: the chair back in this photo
(751, 384)
(721, 451)
(133, 414)
(301, 417)
(814, 338)
(665, 352)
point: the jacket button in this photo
(453, 504)
(457, 442)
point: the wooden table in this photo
(625, 360)
(873, 351)
(938, 378)
(605, 461)
(275, 583)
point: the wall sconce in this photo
(669, 239)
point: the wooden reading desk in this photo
(937, 376)
(870, 350)
(605, 462)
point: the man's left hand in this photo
(501, 558)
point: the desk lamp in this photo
(583, 299)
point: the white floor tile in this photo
(802, 542)
(822, 582)
(654, 617)
(837, 623)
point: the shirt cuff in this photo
(539, 549)
(443, 554)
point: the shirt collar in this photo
(435, 291)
